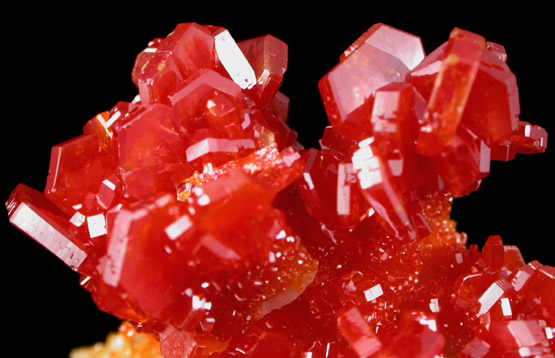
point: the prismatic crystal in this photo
(193, 214)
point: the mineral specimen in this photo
(195, 215)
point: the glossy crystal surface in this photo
(193, 214)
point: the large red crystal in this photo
(195, 215)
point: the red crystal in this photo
(526, 139)
(31, 212)
(194, 214)
(493, 105)
(406, 47)
(187, 49)
(450, 91)
(147, 144)
(357, 332)
(75, 187)
(268, 57)
(347, 89)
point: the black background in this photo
(63, 65)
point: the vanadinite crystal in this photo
(194, 215)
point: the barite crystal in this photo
(194, 215)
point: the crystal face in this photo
(194, 214)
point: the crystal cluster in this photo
(194, 214)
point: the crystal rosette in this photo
(194, 214)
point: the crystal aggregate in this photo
(194, 214)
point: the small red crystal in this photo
(357, 332)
